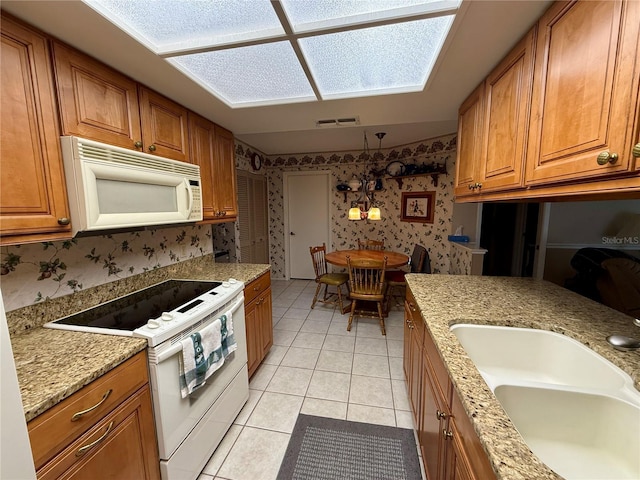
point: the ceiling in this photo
(481, 34)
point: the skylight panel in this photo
(167, 26)
(306, 16)
(373, 61)
(250, 76)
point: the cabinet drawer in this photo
(122, 445)
(441, 377)
(56, 428)
(253, 289)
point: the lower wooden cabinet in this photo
(105, 430)
(450, 447)
(259, 320)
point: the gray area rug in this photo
(328, 449)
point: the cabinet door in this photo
(406, 352)
(123, 445)
(457, 465)
(585, 94)
(433, 421)
(507, 106)
(33, 198)
(164, 126)
(96, 102)
(202, 143)
(224, 173)
(252, 327)
(266, 323)
(470, 128)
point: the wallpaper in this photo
(461, 259)
(32, 273)
(398, 235)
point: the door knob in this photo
(606, 157)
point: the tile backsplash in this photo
(34, 272)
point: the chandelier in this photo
(366, 207)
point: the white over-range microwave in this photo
(114, 188)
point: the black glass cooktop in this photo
(134, 310)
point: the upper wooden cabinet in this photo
(560, 115)
(99, 103)
(212, 149)
(33, 199)
(585, 97)
(492, 125)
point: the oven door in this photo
(175, 416)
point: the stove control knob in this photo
(166, 316)
(153, 323)
(226, 284)
(233, 281)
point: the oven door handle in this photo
(177, 347)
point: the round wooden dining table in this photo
(394, 259)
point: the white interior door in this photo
(307, 219)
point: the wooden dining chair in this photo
(366, 283)
(396, 284)
(326, 279)
(370, 244)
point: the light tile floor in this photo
(318, 368)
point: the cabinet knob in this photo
(152, 148)
(478, 185)
(471, 186)
(64, 221)
(440, 415)
(447, 434)
(138, 144)
(636, 150)
(606, 157)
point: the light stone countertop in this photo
(445, 300)
(53, 364)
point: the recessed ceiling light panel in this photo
(165, 26)
(250, 76)
(372, 61)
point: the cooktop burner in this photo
(134, 310)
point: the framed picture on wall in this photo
(418, 207)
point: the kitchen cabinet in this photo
(33, 198)
(99, 103)
(106, 429)
(492, 125)
(259, 320)
(585, 109)
(212, 148)
(450, 447)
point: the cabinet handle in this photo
(76, 416)
(82, 450)
(440, 415)
(447, 434)
(606, 157)
(64, 221)
(138, 144)
(471, 186)
(478, 185)
(636, 150)
(152, 148)
(412, 307)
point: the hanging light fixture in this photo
(366, 208)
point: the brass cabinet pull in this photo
(606, 157)
(82, 450)
(447, 434)
(76, 416)
(64, 221)
(478, 185)
(412, 307)
(138, 144)
(152, 148)
(440, 415)
(636, 150)
(471, 186)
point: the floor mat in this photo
(323, 448)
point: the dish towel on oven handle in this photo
(204, 352)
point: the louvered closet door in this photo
(253, 218)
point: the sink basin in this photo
(578, 412)
(509, 354)
(578, 435)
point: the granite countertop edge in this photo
(445, 300)
(51, 365)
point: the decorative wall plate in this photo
(256, 161)
(395, 168)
